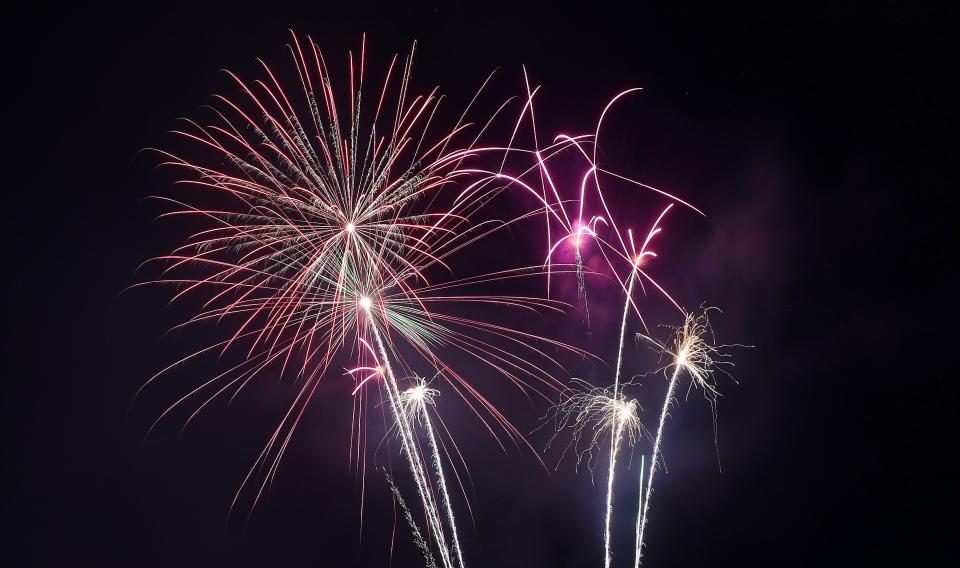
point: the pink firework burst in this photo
(334, 224)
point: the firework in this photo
(332, 216)
(574, 225)
(639, 258)
(590, 413)
(694, 352)
(570, 218)
(332, 224)
(416, 400)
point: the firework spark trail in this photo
(417, 535)
(654, 454)
(636, 556)
(694, 352)
(615, 438)
(442, 482)
(419, 397)
(582, 289)
(406, 438)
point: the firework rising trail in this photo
(395, 399)
(417, 536)
(636, 556)
(335, 223)
(615, 437)
(597, 411)
(693, 351)
(639, 259)
(416, 399)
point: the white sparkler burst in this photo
(589, 413)
(415, 402)
(692, 350)
(416, 398)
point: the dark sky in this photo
(816, 137)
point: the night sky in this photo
(815, 137)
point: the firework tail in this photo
(623, 334)
(671, 389)
(615, 443)
(417, 535)
(636, 561)
(616, 438)
(409, 446)
(442, 482)
(582, 289)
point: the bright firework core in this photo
(365, 302)
(625, 410)
(415, 400)
(578, 236)
(417, 393)
(350, 228)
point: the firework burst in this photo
(335, 222)
(569, 222)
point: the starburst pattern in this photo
(330, 227)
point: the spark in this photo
(694, 352)
(415, 399)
